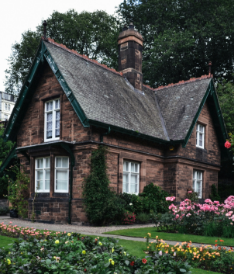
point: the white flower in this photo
(160, 253)
(130, 204)
(174, 254)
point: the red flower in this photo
(132, 263)
(144, 261)
(85, 270)
(227, 144)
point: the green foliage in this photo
(225, 92)
(133, 203)
(73, 254)
(4, 210)
(181, 37)
(5, 148)
(143, 218)
(154, 199)
(92, 34)
(18, 191)
(102, 206)
(214, 196)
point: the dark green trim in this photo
(210, 91)
(106, 133)
(76, 106)
(7, 160)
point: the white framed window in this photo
(131, 174)
(61, 176)
(200, 136)
(197, 182)
(9, 107)
(42, 174)
(5, 106)
(52, 120)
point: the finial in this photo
(45, 24)
(210, 65)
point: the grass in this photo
(132, 247)
(141, 232)
(6, 242)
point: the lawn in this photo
(141, 232)
(132, 247)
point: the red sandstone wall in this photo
(31, 131)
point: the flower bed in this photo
(206, 257)
(209, 219)
(71, 253)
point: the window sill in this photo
(50, 140)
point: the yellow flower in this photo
(112, 262)
(69, 234)
(124, 253)
(84, 252)
(100, 243)
(112, 250)
(8, 261)
(149, 234)
(57, 241)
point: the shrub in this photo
(129, 218)
(4, 210)
(143, 218)
(214, 196)
(154, 199)
(133, 203)
(102, 206)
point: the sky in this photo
(18, 16)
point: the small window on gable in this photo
(42, 174)
(200, 136)
(61, 174)
(197, 182)
(131, 172)
(52, 120)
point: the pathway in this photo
(87, 230)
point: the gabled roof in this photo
(103, 97)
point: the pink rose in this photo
(227, 144)
(190, 192)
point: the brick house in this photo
(172, 136)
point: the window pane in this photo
(58, 162)
(47, 185)
(65, 162)
(39, 186)
(57, 104)
(57, 115)
(125, 183)
(49, 117)
(47, 162)
(39, 175)
(132, 167)
(125, 166)
(47, 174)
(61, 180)
(49, 106)
(39, 163)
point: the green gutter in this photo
(7, 160)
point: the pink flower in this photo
(190, 192)
(170, 199)
(227, 144)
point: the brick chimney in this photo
(130, 45)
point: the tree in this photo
(92, 34)
(225, 92)
(181, 37)
(5, 148)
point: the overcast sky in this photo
(18, 16)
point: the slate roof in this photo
(107, 97)
(179, 104)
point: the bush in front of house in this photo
(208, 219)
(4, 210)
(102, 205)
(71, 253)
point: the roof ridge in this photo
(185, 82)
(51, 41)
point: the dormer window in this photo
(200, 136)
(52, 120)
